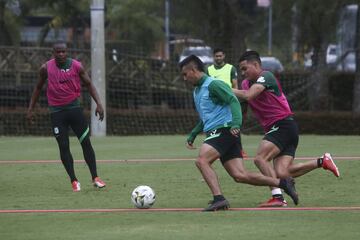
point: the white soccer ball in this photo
(143, 197)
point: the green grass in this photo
(177, 185)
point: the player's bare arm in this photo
(250, 94)
(99, 111)
(36, 92)
(234, 83)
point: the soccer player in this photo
(222, 70)
(226, 72)
(64, 77)
(220, 118)
(268, 103)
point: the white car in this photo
(331, 54)
(205, 54)
(272, 64)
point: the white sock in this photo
(276, 191)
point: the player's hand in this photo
(99, 111)
(190, 145)
(30, 117)
(235, 132)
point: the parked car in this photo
(331, 54)
(205, 54)
(272, 64)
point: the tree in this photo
(5, 34)
(315, 21)
(224, 24)
(138, 21)
(11, 14)
(63, 13)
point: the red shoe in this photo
(75, 186)
(98, 183)
(274, 202)
(329, 164)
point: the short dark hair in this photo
(59, 42)
(250, 56)
(216, 50)
(192, 59)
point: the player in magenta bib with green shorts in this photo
(64, 77)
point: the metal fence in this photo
(144, 95)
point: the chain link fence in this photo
(146, 95)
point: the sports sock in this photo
(276, 193)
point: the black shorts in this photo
(285, 135)
(74, 118)
(225, 143)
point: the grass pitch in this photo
(178, 184)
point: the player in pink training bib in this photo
(64, 77)
(268, 103)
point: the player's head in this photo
(60, 52)
(192, 69)
(250, 65)
(219, 56)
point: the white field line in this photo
(150, 160)
(175, 210)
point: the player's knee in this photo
(200, 162)
(63, 145)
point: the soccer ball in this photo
(143, 197)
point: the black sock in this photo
(218, 198)
(319, 162)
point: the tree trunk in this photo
(319, 93)
(5, 38)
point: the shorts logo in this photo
(273, 129)
(56, 130)
(212, 134)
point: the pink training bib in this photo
(64, 85)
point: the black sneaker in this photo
(218, 205)
(288, 185)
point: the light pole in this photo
(270, 29)
(167, 29)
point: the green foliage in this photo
(235, 25)
(63, 13)
(10, 22)
(140, 21)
